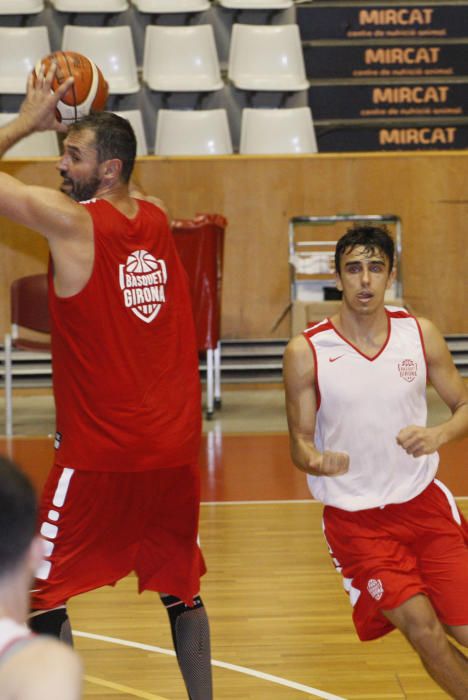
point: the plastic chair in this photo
(20, 49)
(277, 131)
(256, 4)
(171, 6)
(267, 57)
(136, 120)
(37, 145)
(196, 132)
(98, 6)
(21, 7)
(111, 48)
(200, 244)
(29, 312)
(181, 59)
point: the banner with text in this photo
(353, 100)
(391, 137)
(346, 59)
(345, 20)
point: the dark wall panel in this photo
(359, 20)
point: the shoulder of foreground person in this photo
(43, 669)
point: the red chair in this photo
(29, 312)
(200, 244)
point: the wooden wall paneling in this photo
(258, 196)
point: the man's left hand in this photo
(38, 108)
(418, 441)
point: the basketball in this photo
(89, 91)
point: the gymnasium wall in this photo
(258, 195)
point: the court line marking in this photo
(122, 688)
(280, 501)
(220, 664)
(259, 503)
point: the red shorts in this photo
(388, 555)
(100, 526)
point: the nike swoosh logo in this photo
(334, 359)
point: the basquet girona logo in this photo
(408, 370)
(142, 280)
(375, 588)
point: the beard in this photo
(80, 191)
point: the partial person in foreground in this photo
(32, 667)
(124, 491)
(356, 404)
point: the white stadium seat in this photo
(111, 48)
(171, 6)
(267, 57)
(37, 145)
(268, 131)
(181, 59)
(90, 5)
(21, 7)
(192, 132)
(136, 120)
(20, 49)
(256, 4)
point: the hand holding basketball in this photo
(87, 92)
(39, 107)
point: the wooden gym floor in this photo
(280, 621)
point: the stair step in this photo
(242, 360)
(249, 364)
(252, 353)
(459, 346)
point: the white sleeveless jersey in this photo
(12, 632)
(362, 404)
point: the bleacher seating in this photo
(263, 54)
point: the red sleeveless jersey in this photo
(125, 361)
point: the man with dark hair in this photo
(32, 667)
(356, 404)
(124, 491)
(371, 238)
(113, 138)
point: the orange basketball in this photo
(89, 91)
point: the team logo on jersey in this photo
(142, 281)
(375, 588)
(408, 370)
